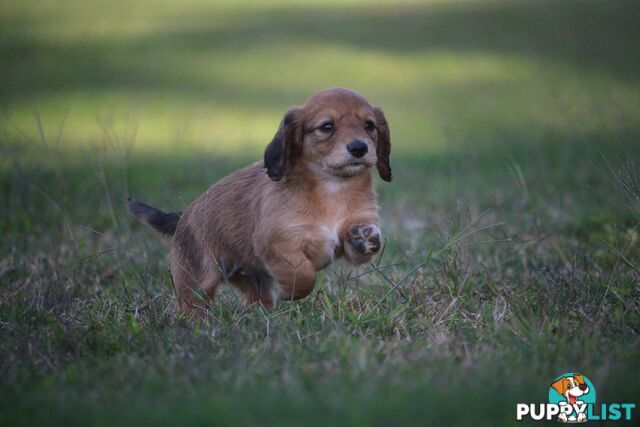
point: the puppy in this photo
(571, 388)
(268, 228)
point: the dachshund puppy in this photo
(268, 234)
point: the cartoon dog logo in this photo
(572, 388)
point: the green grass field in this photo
(512, 242)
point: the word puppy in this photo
(268, 228)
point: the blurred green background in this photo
(512, 251)
(217, 75)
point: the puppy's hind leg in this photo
(252, 286)
(254, 289)
(194, 286)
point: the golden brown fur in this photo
(316, 203)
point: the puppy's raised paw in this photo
(364, 238)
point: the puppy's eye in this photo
(369, 126)
(327, 127)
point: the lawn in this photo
(512, 248)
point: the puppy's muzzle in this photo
(357, 148)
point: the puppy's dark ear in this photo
(285, 145)
(383, 149)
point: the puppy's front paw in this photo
(364, 238)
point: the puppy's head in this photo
(571, 387)
(335, 132)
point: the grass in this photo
(512, 251)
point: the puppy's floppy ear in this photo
(383, 149)
(285, 145)
(579, 378)
(560, 386)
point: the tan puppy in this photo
(314, 204)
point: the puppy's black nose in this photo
(357, 148)
(583, 387)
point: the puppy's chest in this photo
(329, 229)
(323, 242)
(326, 211)
(333, 215)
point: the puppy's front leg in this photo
(361, 241)
(295, 274)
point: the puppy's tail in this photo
(163, 222)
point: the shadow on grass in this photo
(590, 35)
